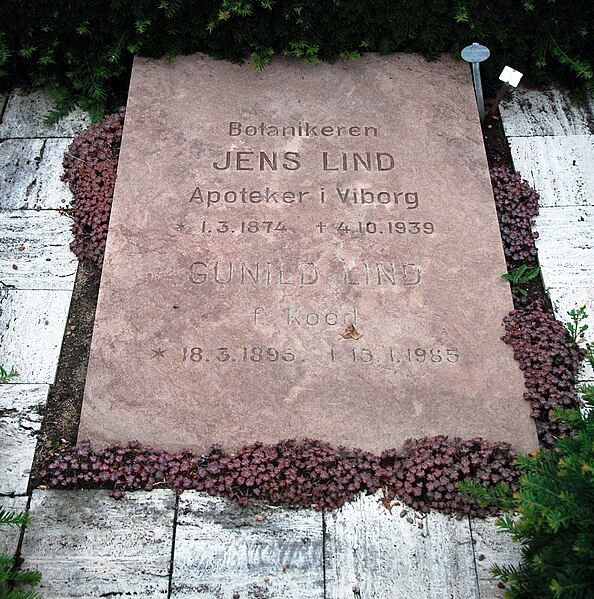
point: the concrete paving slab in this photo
(86, 544)
(24, 116)
(373, 552)
(31, 329)
(541, 113)
(566, 246)
(30, 174)
(559, 168)
(34, 250)
(223, 551)
(21, 409)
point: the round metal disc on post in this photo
(475, 53)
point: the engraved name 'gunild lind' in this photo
(366, 273)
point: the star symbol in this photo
(158, 353)
(180, 226)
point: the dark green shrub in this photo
(81, 50)
(556, 516)
(12, 580)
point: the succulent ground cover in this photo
(303, 473)
(517, 207)
(428, 473)
(90, 166)
(550, 361)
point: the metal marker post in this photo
(493, 107)
(475, 54)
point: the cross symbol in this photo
(158, 353)
(180, 226)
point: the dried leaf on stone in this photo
(351, 333)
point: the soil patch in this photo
(62, 412)
(499, 154)
(496, 146)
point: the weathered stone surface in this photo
(566, 245)
(88, 545)
(31, 329)
(21, 409)
(30, 171)
(224, 551)
(559, 168)
(535, 113)
(24, 116)
(372, 552)
(492, 547)
(182, 357)
(34, 250)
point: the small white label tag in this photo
(510, 76)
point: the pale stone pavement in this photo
(157, 545)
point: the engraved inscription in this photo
(301, 129)
(270, 273)
(212, 198)
(390, 209)
(261, 355)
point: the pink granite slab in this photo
(228, 278)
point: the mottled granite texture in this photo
(210, 329)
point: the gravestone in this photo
(310, 251)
